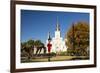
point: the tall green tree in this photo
(78, 39)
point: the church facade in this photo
(58, 43)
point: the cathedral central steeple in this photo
(57, 32)
(57, 26)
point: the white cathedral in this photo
(58, 43)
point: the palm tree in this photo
(28, 47)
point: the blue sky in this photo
(36, 24)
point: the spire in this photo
(57, 26)
(49, 38)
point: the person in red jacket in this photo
(49, 45)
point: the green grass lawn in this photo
(56, 58)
